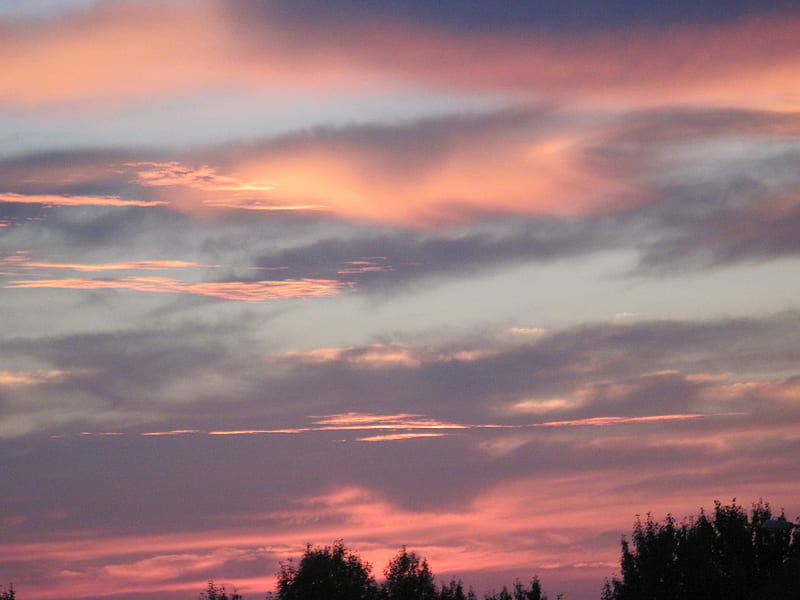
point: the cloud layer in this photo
(487, 281)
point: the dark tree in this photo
(726, 557)
(534, 592)
(408, 578)
(8, 594)
(214, 592)
(329, 573)
(455, 591)
(519, 592)
(503, 595)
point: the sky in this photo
(484, 279)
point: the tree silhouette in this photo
(520, 592)
(8, 594)
(408, 578)
(455, 591)
(328, 573)
(726, 557)
(214, 592)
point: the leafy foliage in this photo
(726, 557)
(8, 594)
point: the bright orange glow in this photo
(500, 173)
(258, 291)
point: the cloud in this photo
(202, 178)
(440, 170)
(635, 182)
(256, 49)
(258, 291)
(20, 378)
(568, 18)
(620, 374)
(224, 191)
(55, 200)
(20, 261)
(390, 437)
(383, 355)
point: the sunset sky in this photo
(482, 278)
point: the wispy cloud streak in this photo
(20, 260)
(258, 291)
(57, 200)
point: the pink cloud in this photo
(155, 46)
(602, 421)
(385, 355)
(58, 200)
(20, 260)
(258, 291)
(25, 378)
(390, 437)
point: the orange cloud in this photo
(498, 172)
(385, 355)
(172, 432)
(397, 436)
(123, 51)
(409, 426)
(366, 266)
(201, 178)
(601, 421)
(20, 260)
(24, 378)
(170, 48)
(258, 291)
(211, 189)
(57, 200)
(353, 420)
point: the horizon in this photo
(486, 280)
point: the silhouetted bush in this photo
(726, 557)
